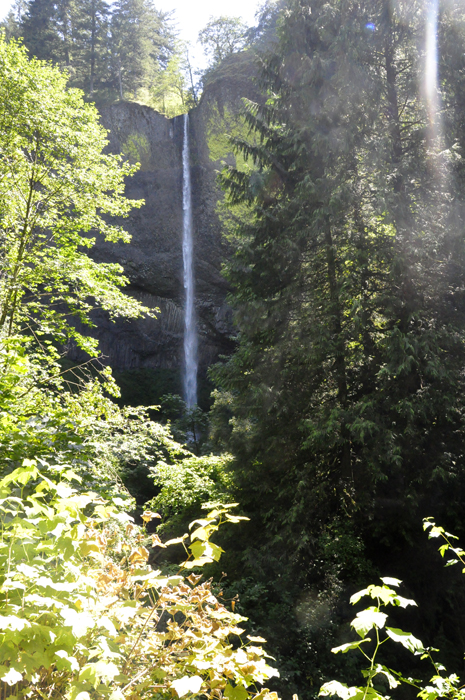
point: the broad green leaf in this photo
(66, 662)
(235, 518)
(201, 521)
(404, 602)
(388, 581)
(358, 596)
(176, 540)
(367, 620)
(341, 690)
(12, 622)
(191, 564)
(202, 533)
(236, 693)
(256, 639)
(383, 593)
(344, 648)
(21, 475)
(206, 549)
(406, 639)
(436, 532)
(106, 670)
(80, 623)
(89, 673)
(393, 682)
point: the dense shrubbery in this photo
(82, 613)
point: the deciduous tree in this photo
(58, 190)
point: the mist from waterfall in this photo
(190, 330)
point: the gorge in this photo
(150, 352)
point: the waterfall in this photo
(190, 331)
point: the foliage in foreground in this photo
(370, 625)
(83, 615)
(58, 189)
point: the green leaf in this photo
(341, 690)
(358, 596)
(66, 662)
(393, 682)
(89, 673)
(344, 648)
(176, 540)
(12, 622)
(236, 693)
(367, 620)
(191, 564)
(391, 581)
(206, 549)
(406, 639)
(12, 677)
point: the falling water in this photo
(190, 331)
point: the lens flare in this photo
(431, 86)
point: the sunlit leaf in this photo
(367, 620)
(187, 685)
(406, 639)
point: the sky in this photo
(192, 15)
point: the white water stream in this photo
(190, 330)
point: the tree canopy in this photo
(57, 190)
(343, 403)
(221, 37)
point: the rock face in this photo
(153, 259)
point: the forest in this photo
(187, 553)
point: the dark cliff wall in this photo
(153, 259)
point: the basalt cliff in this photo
(153, 260)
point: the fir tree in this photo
(39, 31)
(92, 43)
(140, 43)
(345, 395)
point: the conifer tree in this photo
(140, 43)
(92, 47)
(39, 31)
(345, 395)
(12, 22)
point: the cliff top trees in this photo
(222, 36)
(56, 186)
(140, 44)
(110, 50)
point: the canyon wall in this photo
(153, 259)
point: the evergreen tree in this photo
(345, 395)
(12, 22)
(140, 44)
(126, 46)
(92, 49)
(39, 32)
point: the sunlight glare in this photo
(431, 71)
